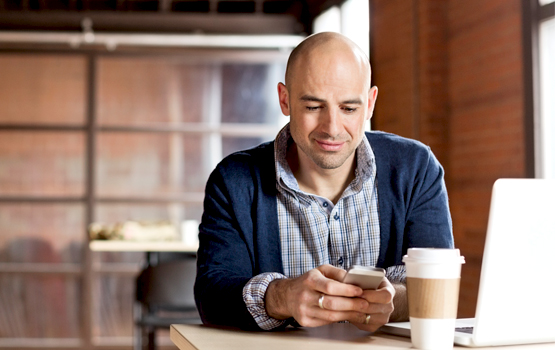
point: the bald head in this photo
(326, 48)
(329, 100)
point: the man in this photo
(283, 221)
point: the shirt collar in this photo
(364, 171)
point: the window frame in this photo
(533, 14)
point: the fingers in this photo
(360, 307)
(335, 303)
(299, 298)
(383, 295)
(372, 317)
(330, 283)
(332, 272)
(354, 310)
(367, 322)
(327, 316)
(334, 309)
(372, 326)
(380, 306)
(338, 303)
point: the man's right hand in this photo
(299, 298)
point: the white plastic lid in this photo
(433, 256)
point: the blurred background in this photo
(113, 110)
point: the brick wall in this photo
(450, 74)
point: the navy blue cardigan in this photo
(239, 233)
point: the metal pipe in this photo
(113, 40)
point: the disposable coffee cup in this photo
(433, 280)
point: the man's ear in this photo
(283, 94)
(372, 96)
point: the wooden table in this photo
(340, 336)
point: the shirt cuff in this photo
(253, 296)
(396, 274)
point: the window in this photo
(110, 137)
(350, 19)
(547, 91)
(42, 184)
(165, 122)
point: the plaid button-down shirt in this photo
(314, 231)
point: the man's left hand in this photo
(380, 306)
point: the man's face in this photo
(329, 104)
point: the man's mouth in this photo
(330, 146)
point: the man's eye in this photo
(312, 109)
(349, 109)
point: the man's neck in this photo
(327, 183)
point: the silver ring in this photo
(367, 320)
(321, 302)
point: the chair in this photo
(164, 295)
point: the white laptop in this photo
(516, 300)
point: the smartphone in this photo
(366, 277)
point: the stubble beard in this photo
(326, 160)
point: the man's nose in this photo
(331, 122)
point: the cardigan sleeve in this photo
(238, 235)
(413, 203)
(225, 258)
(428, 223)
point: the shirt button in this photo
(336, 217)
(325, 204)
(340, 261)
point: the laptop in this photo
(516, 298)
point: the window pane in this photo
(233, 144)
(41, 233)
(547, 81)
(39, 306)
(42, 163)
(249, 93)
(55, 84)
(150, 90)
(355, 23)
(174, 212)
(113, 297)
(136, 258)
(150, 164)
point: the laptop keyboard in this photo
(468, 330)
